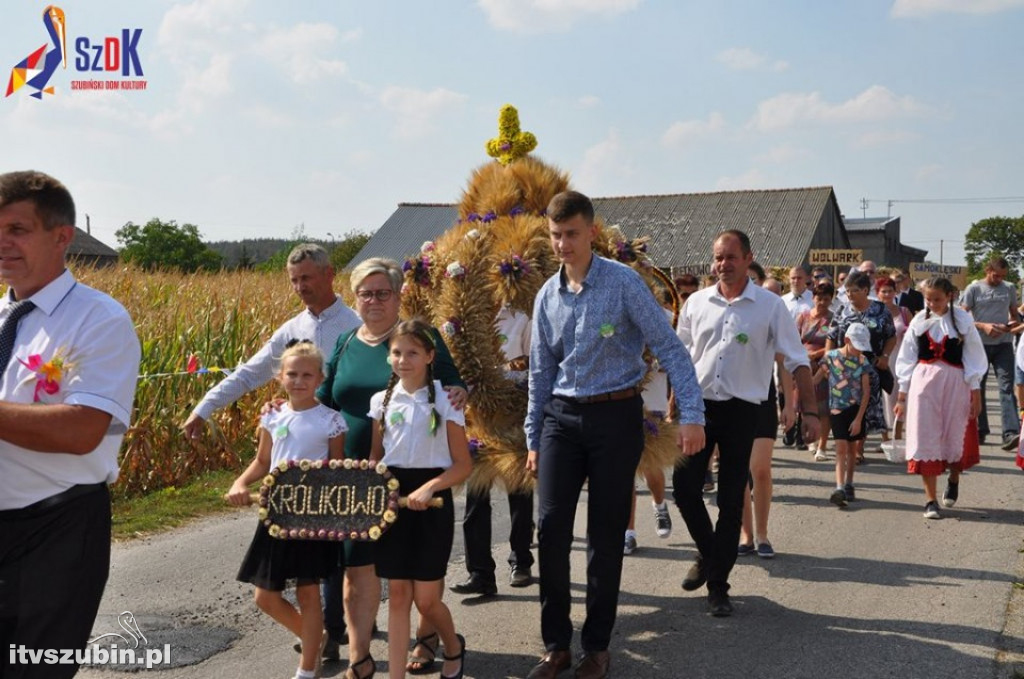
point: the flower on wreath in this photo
(489, 217)
(650, 426)
(516, 211)
(515, 267)
(474, 447)
(629, 251)
(473, 234)
(455, 270)
(428, 246)
(419, 269)
(451, 327)
(48, 374)
(374, 532)
(472, 217)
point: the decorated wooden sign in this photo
(328, 500)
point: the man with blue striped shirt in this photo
(584, 423)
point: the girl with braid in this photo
(422, 440)
(939, 368)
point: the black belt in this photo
(54, 500)
(620, 395)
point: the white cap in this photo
(859, 336)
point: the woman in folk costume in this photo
(939, 368)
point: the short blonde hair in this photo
(302, 349)
(375, 265)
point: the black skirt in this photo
(419, 544)
(270, 563)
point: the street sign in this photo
(835, 257)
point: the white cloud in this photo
(781, 155)
(200, 26)
(589, 101)
(541, 16)
(605, 166)
(746, 59)
(684, 132)
(876, 138)
(751, 179)
(353, 35)
(873, 104)
(294, 49)
(921, 8)
(416, 110)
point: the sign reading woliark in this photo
(835, 257)
(957, 275)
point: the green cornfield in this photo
(221, 318)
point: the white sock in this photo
(662, 506)
(630, 533)
(305, 674)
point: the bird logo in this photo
(131, 628)
(37, 68)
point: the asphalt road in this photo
(872, 591)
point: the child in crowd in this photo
(422, 440)
(939, 369)
(849, 384)
(303, 428)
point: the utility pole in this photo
(864, 207)
(941, 243)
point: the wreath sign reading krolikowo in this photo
(328, 500)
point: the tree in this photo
(165, 245)
(348, 247)
(995, 236)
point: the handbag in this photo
(886, 379)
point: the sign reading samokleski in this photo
(328, 500)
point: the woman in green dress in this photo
(356, 371)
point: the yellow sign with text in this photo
(957, 275)
(835, 257)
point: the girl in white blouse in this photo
(939, 367)
(422, 440)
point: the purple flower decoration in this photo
(474, 447)
(514, 267)
(505, 146)
(472, 217)
(418, 268)
(451, 327)
(489, 217)
(516, 211)
(650, 427)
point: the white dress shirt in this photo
(96, 338)
(733, 343)
(798, 305)
(974, 357)
(302, 434)
(513, 332)
(408, 442)
(323, 330)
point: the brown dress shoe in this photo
(551, 665)
(594, 665)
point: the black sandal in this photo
(424, 665)
(351, 672)
(461, 657)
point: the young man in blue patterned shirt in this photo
(584, 423)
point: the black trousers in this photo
(730, 426)
(476, 529)
(599, 443)
(53, 569)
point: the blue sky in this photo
(262, 116)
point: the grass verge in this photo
(169, 507)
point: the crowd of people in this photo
(864, 355)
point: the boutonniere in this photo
(607, 330)
(396, 418)
(281, 432)
(48, 375)
(742, 338)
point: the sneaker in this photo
(765, 551)
(820, 456)
(718, 604)
(851, 493)
(629, 546)
(838, 497)
(520, 576)
(1011, 441)
(789, 438)
(931, 511)
(662, 521)
(952, 493)
(745, 550)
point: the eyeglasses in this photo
(380, 295)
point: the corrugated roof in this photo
(780, 222)
(869, 223)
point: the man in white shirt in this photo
(69, 362)
(733, 331)
(323, 321)
(799, 298)
(325, 318)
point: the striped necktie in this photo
(9, 330)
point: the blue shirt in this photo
(592, 342)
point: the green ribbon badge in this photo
(607, 330)
(396, 418)
(503, 338)
(742, 338)
(281, 432)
